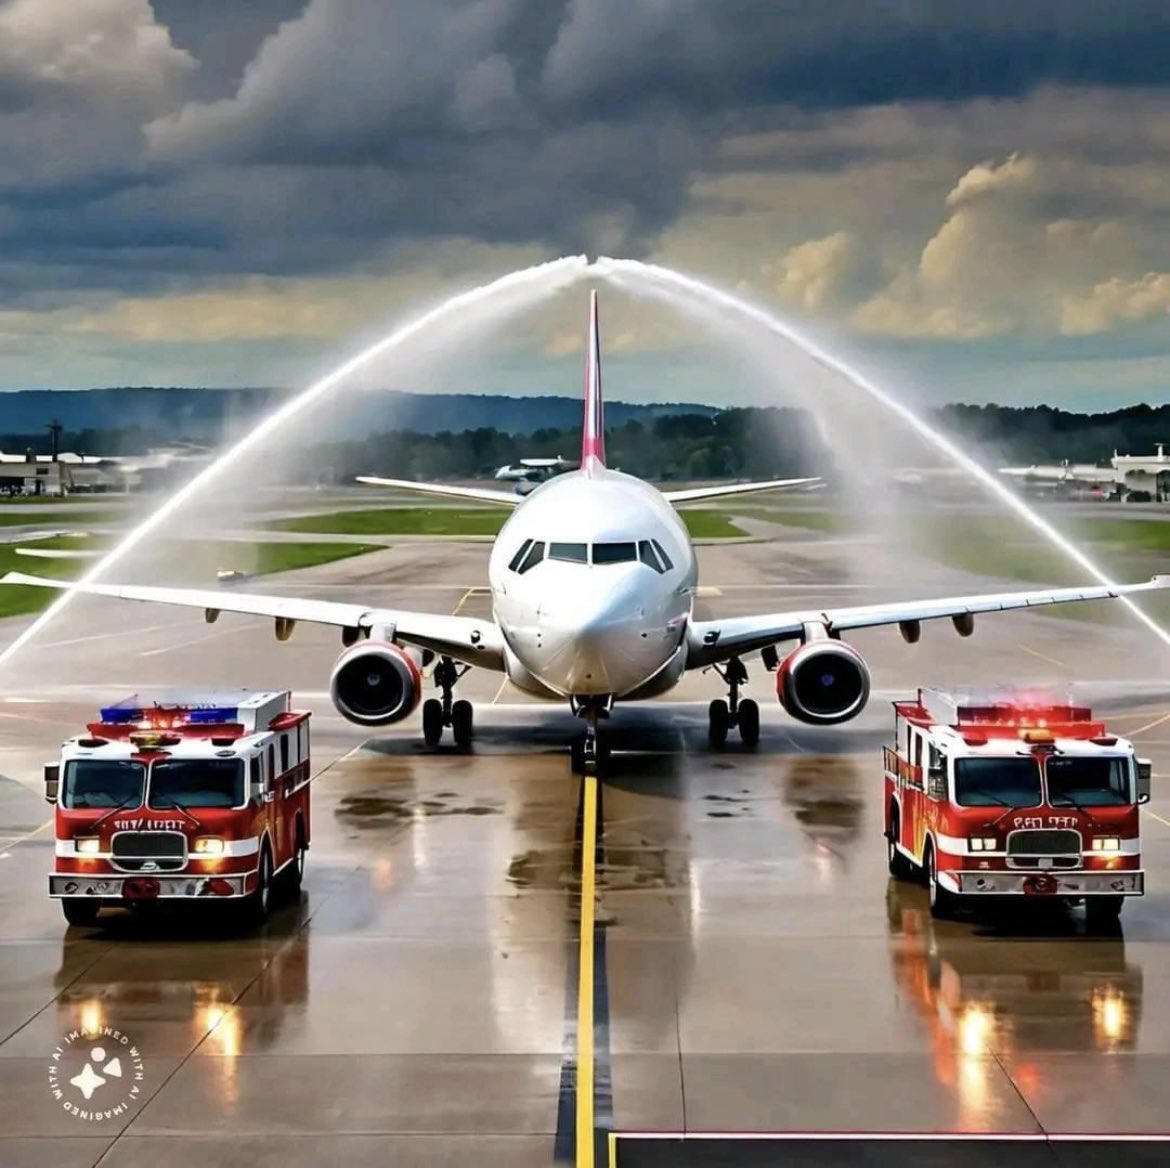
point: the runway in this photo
(754, 970)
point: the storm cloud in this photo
(927, 171)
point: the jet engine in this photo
(823, 682)
(374, 684)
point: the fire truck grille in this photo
(151, 851)
(1026, 848)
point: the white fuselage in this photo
(594, 611)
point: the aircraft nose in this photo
(595, 642)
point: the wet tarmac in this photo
(755, 970)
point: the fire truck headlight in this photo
(982, 843)
(209, 845)
(88, 845)
(1107, 843)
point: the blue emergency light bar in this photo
(192, 711)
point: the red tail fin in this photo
(593, 438)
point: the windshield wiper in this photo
(1067, 798)
(115, 809)
(989, 795)
(175, 804)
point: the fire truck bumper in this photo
(149, 887)
(1047, 883)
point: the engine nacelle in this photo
(823, 682)
(375, 683)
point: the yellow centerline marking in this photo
(463, 600)
(500, 690)
(585, 978)
(1149, 726)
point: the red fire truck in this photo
(1011, 793)
(195, 796)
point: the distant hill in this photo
(200, 415)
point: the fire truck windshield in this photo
(1002, 782)
(99, 782)
(1083, 781)
(202, 782)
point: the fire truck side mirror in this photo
(1145, 769)
(936, 783)
(52, 781)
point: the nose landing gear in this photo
(436, 714)
(590, 753)
(723, 715)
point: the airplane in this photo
(593, 579)
(532, 470)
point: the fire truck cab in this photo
(1012, 794)
(198, 797)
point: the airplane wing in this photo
(479, 494)
(690, 496)
(476, 642)
(716, 640)
(58, 553)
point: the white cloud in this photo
(1114, 302)
(103, 50)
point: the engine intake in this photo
(376, 684)
(823, 682)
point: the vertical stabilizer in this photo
(593, 438)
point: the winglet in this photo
(593, 438)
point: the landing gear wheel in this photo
(749, 722)
(432, 721)
(942, 902)
(718, 722)
(1102, 913)
(462, 722)
(577, 755)
(602, 754)
(81, 910)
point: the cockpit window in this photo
(573, 553)
(614, 553)
(649, 556)
(519, 556)
(534, 556)
(667, 565)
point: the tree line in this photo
(734, 443)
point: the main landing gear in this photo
(590, 752)
(723, 715)
(437, 714)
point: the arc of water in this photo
(689, 285)
(548, 277)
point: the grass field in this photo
(457, 521)
(259, 559)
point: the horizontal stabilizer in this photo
(697, 493)
(479, 494)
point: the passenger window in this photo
(271, 763)
(254, 776)
(535, 555)
(573, 553)
(614, 553)
(649, 556)
(666, 564)
(283, 753)
(518, 558)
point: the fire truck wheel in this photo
(296, 869)
(1102, 912)
(718, 722)
(80, 910)
(749, 722)
(462, 723)
(899, 866)
(255, 906)
(432, 720)
(942, 902)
